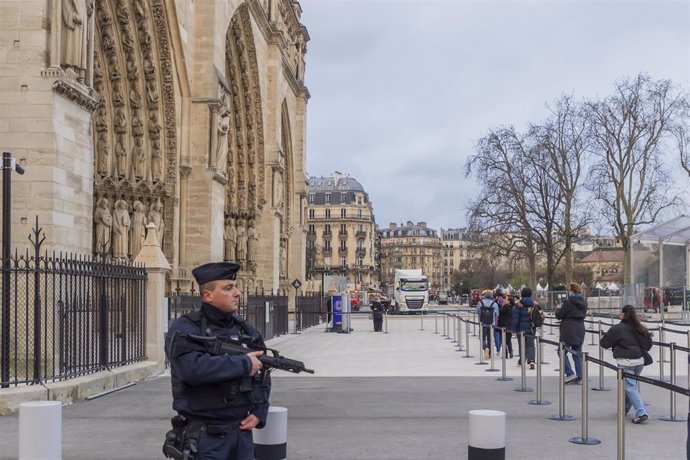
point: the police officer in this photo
(220, 398)
(377, 315)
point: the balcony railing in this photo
(342, 233)
(361, 234)
(327, 234)
(361, 252)
(342, 250)
(327, 251)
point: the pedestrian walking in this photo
(505, 320)
(630, 341)
(523, 323)
(572, 330)
(487, 311)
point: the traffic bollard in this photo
(539, 401)
(585, 439)
(561, 388)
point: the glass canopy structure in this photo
(661, 254)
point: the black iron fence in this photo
(267, 311)
(310, 310)
(64, 316)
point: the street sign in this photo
(296, 284)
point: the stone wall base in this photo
(79, 388)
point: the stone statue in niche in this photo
(134, 96)
(104, 222)
(137, 232)
(241, 247)
(283, 258)
(121, 155)
(277, 189)
(156, 216)
(156, 164)
(151, 93)
(230, 237)
(139, 157)
(121, 224)
(118, 100)
(222, 140)
(252, 245)
(74, 36)
(137, 124)
(103, 152)
(120, 121)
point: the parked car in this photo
(465, 299)
(442, 298)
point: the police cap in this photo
(215, 271)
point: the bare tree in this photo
(564, 138)
(630, 133)
(500, 207)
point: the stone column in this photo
(152, 257)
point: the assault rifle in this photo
(241, 346)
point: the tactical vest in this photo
(244, 391)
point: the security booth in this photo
(340, 317)
(659, 267)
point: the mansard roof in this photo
(330, 184)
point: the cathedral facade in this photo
(188, 115)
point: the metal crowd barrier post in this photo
(561, 387)
(435, 322)
(620, 437)
(539, 401)
(455, 330)
(448, 327)
(443, 317)
(459, 331)
(591, 321)
(385, 321)
(662, 376)
(672, 416)
(689, 366)
(492, 350)
(585, 439)
(467, 342)
(474, 324)
(503, 377)
(662, 338)
(421, 320)
(481, 347)
(551, 325)
(523, 365)
(601, 386)
(541, 350)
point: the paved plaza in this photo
(401, 395)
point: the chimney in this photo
(336, 177)
(421, 224)
(392, 226)
(409, 223)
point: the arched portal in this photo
(134, 130)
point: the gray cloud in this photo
(402, 90)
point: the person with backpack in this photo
(505, 319)
(522, 322)
(487, 311)
(630, 341)
(572, 315)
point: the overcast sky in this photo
(402, 90)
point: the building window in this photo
(343, 213)
(327, 245)
(359, 213)
(328, 197)
(328, 213)
(343, 261)
(312, 229)
(343, 245)
(311, 198)
(312, 214)
(342, 229)
(310, 244)
(360, 228)
(327, 229)
(360, 262)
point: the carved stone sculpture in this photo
(137, 232)
(156, 216)
(241, 247)
(74, 35)
(252, 245)
(283, 258)
(121, 155)
(103, 153)
(139, 158)
(222, 141)
(230, 237)
(121, 224)
(277, 189)
(104, 222)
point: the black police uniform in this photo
(214, 393)
(377, 315)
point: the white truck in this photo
(411, 291)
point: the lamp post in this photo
(9, 164)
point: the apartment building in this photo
(341, 231)
(411, 246)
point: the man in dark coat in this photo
(377, 315)
(572, 315)
(220, 398)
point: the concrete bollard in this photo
(40, 430)
(487, 440)
(270, 442)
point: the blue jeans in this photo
(632, 392)
(497, 340)
(577, 359)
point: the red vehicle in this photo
(671, 296)
(475, 296)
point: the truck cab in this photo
(411, 291)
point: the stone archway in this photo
(287, 189)
(135, 145)
(241, 110)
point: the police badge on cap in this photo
(215, 271)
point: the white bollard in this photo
(270, 442)
(40, 430)
(487, 440)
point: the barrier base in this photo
(601, 389)
(585, 441)
(668, 418)
(565, 418)
(491, 370)
(468, 356)
(507, 379)
(481, 363)
(539, 402)
(523, 390)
